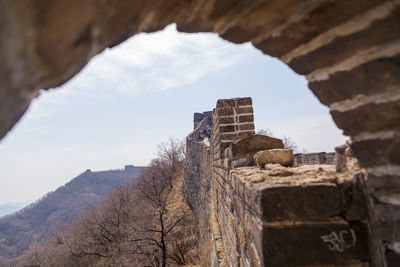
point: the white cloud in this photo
(159, 61)
(146, 63)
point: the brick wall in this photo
(197, 183)
(299, 216)
(315, 158)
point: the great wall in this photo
(348, 50)
(310, 214)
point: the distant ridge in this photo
(39, 221)
(10, 207)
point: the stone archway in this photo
(349, 51)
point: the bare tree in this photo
(139, 224)
(266, 131)
(106, 233)
(154, 186)
(173, 151)
(288, 143)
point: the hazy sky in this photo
(130, 98)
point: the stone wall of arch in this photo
(349, 51)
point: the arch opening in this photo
(122, 104)
(347, 50)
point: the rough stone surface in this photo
(315, 158)
(314, 245)
(255, 143)
(283, 157)
(369, 78)
(341, 159)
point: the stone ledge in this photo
(311, 192)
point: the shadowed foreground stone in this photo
(316, 244)
(306, 215)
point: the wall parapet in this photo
(315, 158)
(276, 216)
(197, 182)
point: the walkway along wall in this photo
(272, 216)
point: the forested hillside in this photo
(41, 220)
(144, 223)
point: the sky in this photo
(129, 99)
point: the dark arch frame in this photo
(349, 51)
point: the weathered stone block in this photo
(384, 184)
(226, 120)
(254, 143)
(315, 158)
(380, 31)
(300, 32)
(225, 129)
(242, 161)
(388, 216)
(234, 102)
(312, 202)
(377, 152)
(368, 118)
(244, 134)
(331, 243)
(372, 77)
(283, 157)
(341, 159)
(224, 112)
(228, 136)
(249, 126)
(243, 110)
(356, 198)
(246, 118)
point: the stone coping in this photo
(277, 175)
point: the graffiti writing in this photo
(340, 241)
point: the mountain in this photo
(10, 207)
(41, 220)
